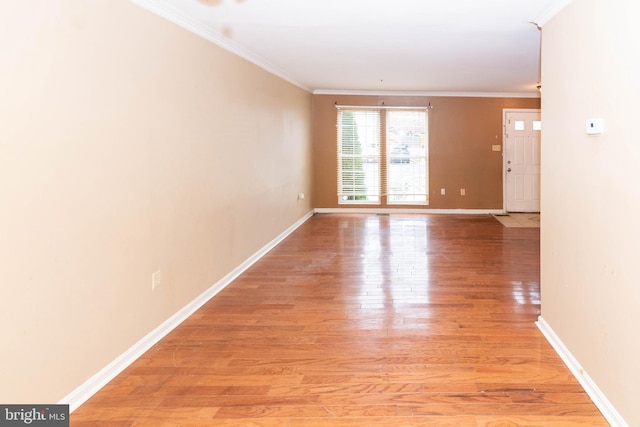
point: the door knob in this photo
(509, 170)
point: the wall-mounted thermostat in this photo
(595, 127)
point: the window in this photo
(382, 156)
(359, 156)
(407, 157)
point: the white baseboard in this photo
(597, 396)
(106, 374)
(409, 211)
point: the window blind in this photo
(359, 156)
(406, 177)
(382, 155)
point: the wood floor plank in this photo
(536, 421)
(362, 320)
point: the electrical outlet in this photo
(595, 127)
(442, 192)
(155, 280)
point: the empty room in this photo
(319, 213)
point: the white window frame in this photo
(370, 185)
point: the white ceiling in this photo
(378, 46)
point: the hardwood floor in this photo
(362, 320)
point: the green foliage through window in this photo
(358, 147)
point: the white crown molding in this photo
(550, 12)
(109, 372)
(597, 396)
(178, 17)
(434, 94)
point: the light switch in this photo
(595, 127)
(496, 148)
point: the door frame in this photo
(505, 111)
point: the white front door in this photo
(522, 160)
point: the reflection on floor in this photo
(360, 320)
(528, 220)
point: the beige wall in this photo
(461, 133)
(127, 145)
(591, 193)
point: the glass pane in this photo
(407, 147)
(359, 157)
(519, 124)
(537, 125)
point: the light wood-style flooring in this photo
(362, 320)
